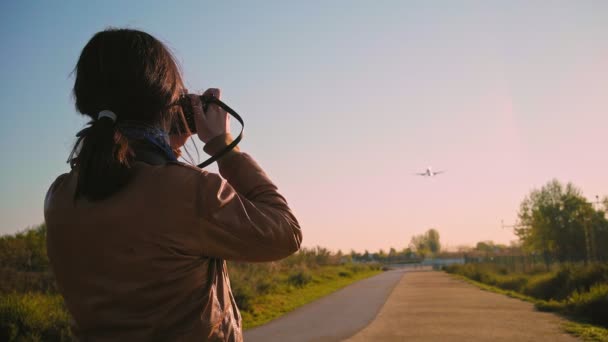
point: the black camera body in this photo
(188, 110)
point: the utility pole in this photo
(524, 256)
(588, 241)
(590, 234)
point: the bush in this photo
(26, 281)
(345, 274)
(543, 286)
(25, 251)
(592, 304)
(581, 290)
(515, 282)
(265, 286)
(243, 296)
(560, 284)
(33, 317)
(300, 278)
(354, 268)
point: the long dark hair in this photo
(134, 75)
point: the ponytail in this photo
(103, 161)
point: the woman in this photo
(137, 240)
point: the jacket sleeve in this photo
(242, 216)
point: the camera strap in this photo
(207, 100)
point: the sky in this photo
(343, 102)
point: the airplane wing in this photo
(438, 172)
(420, 174)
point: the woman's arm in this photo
(242, 215)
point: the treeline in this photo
(24, 265)
(559, 224)
(420, 247)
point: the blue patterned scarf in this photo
(150, 134)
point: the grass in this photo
(287, 297)
(585, 306)
(587, 332)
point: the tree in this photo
(433, 241)
(392, 254)
(485, 246)
(559, 222)
(427, 243)
(418, 245)
(407, 253)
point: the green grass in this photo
(286, 297)
(587, 332)
(582, 308)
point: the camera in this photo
(186, 104)
(188, 111)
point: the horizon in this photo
(344, 103)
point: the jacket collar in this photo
(150, 154)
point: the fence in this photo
(513, 262)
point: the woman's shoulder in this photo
(185, 170)
(53, 188)
(185, 167)
(176, 173)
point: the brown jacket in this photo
(148, 263)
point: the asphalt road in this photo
(331, 318)
(413, 306)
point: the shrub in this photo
(25, 251)
(243, 296)
(543, 286)
(299, 278)
(592, 304)
(26, 281)
(560, 284)
(33, 317)
(344, 274)
(514, 282)
(581, 290)
(265, 286)
(354, 268)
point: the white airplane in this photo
(429, 172)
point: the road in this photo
(331, 318)
(403, 305)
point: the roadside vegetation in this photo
(578, 292)
(559, 263)
(31, 309)
(281, 290)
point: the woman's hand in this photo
(212, 123)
